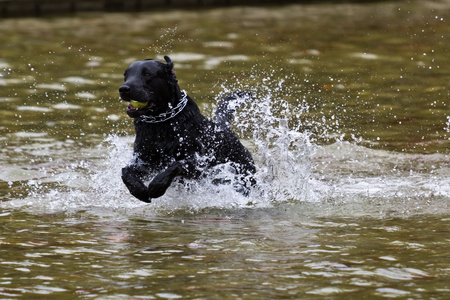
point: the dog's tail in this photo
(228, 106)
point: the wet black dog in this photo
(172, 137)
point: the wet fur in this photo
(186, 145)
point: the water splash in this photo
(164, 44)
(83, 184)
(291, 169)
(281, 152)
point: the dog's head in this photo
(151, 86)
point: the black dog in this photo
(172, 137)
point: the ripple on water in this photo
(25, 134)
(66, 106)
(169, 296)
(327, 291)
(51, 86)
(85, 95)
(391, 292)
(401, 273)
(34, 108)
(77, 80)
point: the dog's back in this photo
(227, 107)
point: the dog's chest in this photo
(165, 144)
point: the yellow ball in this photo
(138, 104)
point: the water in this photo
(349, 128)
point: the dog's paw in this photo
(156, 191)
(158, 186)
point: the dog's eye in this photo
(147, 75)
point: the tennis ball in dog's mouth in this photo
(138, 104)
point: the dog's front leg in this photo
(132, 177)
(162, 181)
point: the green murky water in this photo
(350, 130)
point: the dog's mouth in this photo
(138, 104)
(138, 108)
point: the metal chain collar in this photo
(168, 114)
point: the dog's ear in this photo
(169, 62)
